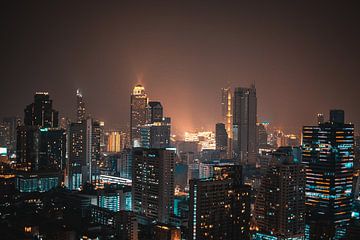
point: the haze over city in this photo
(302, 57)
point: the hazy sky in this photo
(303, 56)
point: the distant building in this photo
(153, 183)
(244, 125)
(84, 153)
(280, 202)
(220, 206)
(115, 141)
(320, 118)
(124, 164)
(40, 113)
(221, 137)
(126, 226)
(80, 107)
(328, 153)
(138, 114)
(227, 116)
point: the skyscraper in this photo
(80, 113)
(156, 132)
(227, 117)
(244, 125)
(40, 112)
(153, 183)
(221, 137)
(328, 153)
(84, 153)
(280, 203)
(219, 206)
(138, 114)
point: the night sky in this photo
(303, 57)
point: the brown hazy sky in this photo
(303, 56)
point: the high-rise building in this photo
(227, 117)
(244, 125)
(80, 111)
(28, 148)
(138, 114)
(126, 226)
(124, 164)
(40, 112)
(262, 135)
(115, 141)
(84, 153)
(328, 153)
(220, 206)
(10, 125)
(156, 132)
(52, 154)
(154, 112)
(153, 183)
(221, 137)
(280, 202)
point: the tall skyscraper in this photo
(280, 203)
(84, 153)
(328, 153)
(154, 112)
(244, 125)
(219, 206)
(80, 111)
(10, 124)
(40, 112)
(227, 117)
(138, 114)
(153, 183)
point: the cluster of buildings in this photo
(75, 179)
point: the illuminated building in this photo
(138, 114)
(220, 206)
(262, 135)
(115, 199)
(244, 125)
(320, 118)
(166, 232)
(280, 202)
(80, 110)
(115, 141)
(205, 139)
(84, 153)
(40, 112)
(328, 152)
(39, 182)
(52, 148)
(126, 226)
(153, 183)
(227, 117)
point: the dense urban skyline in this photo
(183, 53)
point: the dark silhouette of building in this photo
(40, 112)
(80, 107)
(221, 137)
(244, 125)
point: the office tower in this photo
(138, 114)
(80, 111)
(124, 164)
(320, 118)
(227, 117)
(52, 154)
(280, 202)
(153, 183)
(328, 153)
(244, 125)
(40, 112)
(220, 206)
(221, 137)
(154, 112)
(84, 153)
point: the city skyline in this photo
(287, 51)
